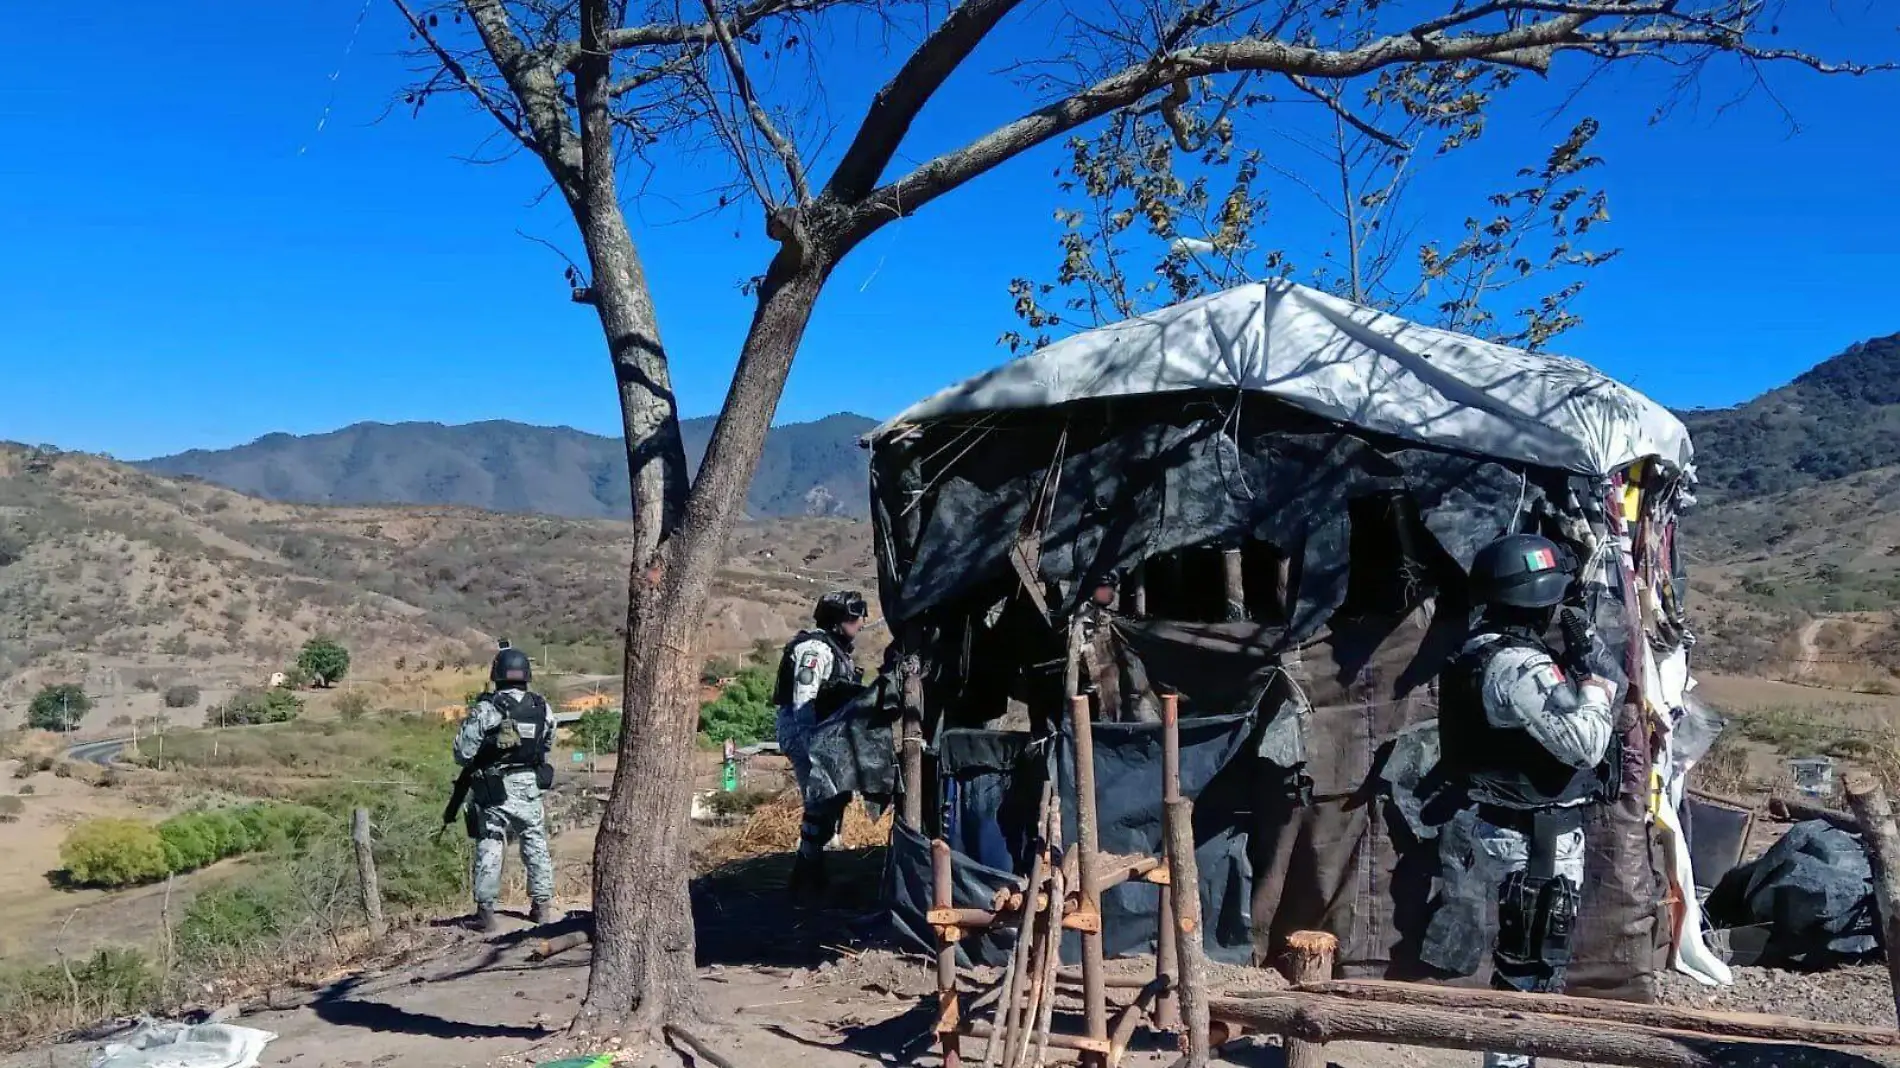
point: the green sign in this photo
(580, 757)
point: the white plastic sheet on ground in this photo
(169, 1045)
(1348, 363)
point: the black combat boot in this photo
(484, 919)
(807, 886)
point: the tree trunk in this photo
(643, 975)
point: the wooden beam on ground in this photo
(1740, 1026)
(1869, 803)
(1323, 1018)
(1792, 811)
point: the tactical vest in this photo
(1503, 766)
(833, 690)
(531, 725)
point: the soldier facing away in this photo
(816, 677)
(1529, 740)
(503, 747)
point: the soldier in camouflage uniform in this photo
(816, 677)
(508, 734)
(1530, 741)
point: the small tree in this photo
(324, 661)
(743, 711)
(58, 707)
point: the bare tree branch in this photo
(1345, 114)
(898, 104)
(786, 151)
(455, 69)
(1530, 46)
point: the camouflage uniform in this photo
(1524, 689)
(520, 815)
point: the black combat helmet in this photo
(511, 668)
(1523, 571)
(839, 606)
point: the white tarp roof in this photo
(1345, 362)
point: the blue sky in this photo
(208, 239)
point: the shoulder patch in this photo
(1550, 675)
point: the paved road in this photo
(101, 753)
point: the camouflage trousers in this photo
(1507, 850)
(519, 816)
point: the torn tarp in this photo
(157, 1044)
(854, 752)
(1814, 893)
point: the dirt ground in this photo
(806, 987)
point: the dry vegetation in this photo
(166, 581)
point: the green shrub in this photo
(227, 922)
(743, 710)
(113, 852)
(114, 981)
(255, 706)
(183, 695)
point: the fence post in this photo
(1309, 959)
(366, 872)
(1869, 804)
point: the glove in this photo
(1580, 642)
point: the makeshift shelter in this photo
(1285, 490)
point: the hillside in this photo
(114, 575)
(807, 469)
(1839, 419)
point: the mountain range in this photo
(429, 540)
(807, 469)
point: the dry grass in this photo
(773, 828)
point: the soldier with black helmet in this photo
(503, 747)
(1528, 736)
(816, 677)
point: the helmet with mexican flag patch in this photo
(1522, 570)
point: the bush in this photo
(255, 706)
(58, 707)
(598, 730)
(26, 789)
(11, 809)
(146, 684)
(743, 710)
(352, 707)
(113, 852)
(114, 981)
(324, 661)
(184, 695)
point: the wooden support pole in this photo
(366, 872)
(1236, 584)
(1309, 959)
(1137, 590)
(1167, 1016)
(1869, 804)
(947, 1016)
(979, 1029)
(1094, 1000)
(1728, 1025)
(912, 751)
(1190, 962)
(1321, 1018)
(1052, 950)
(1012, 1015)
